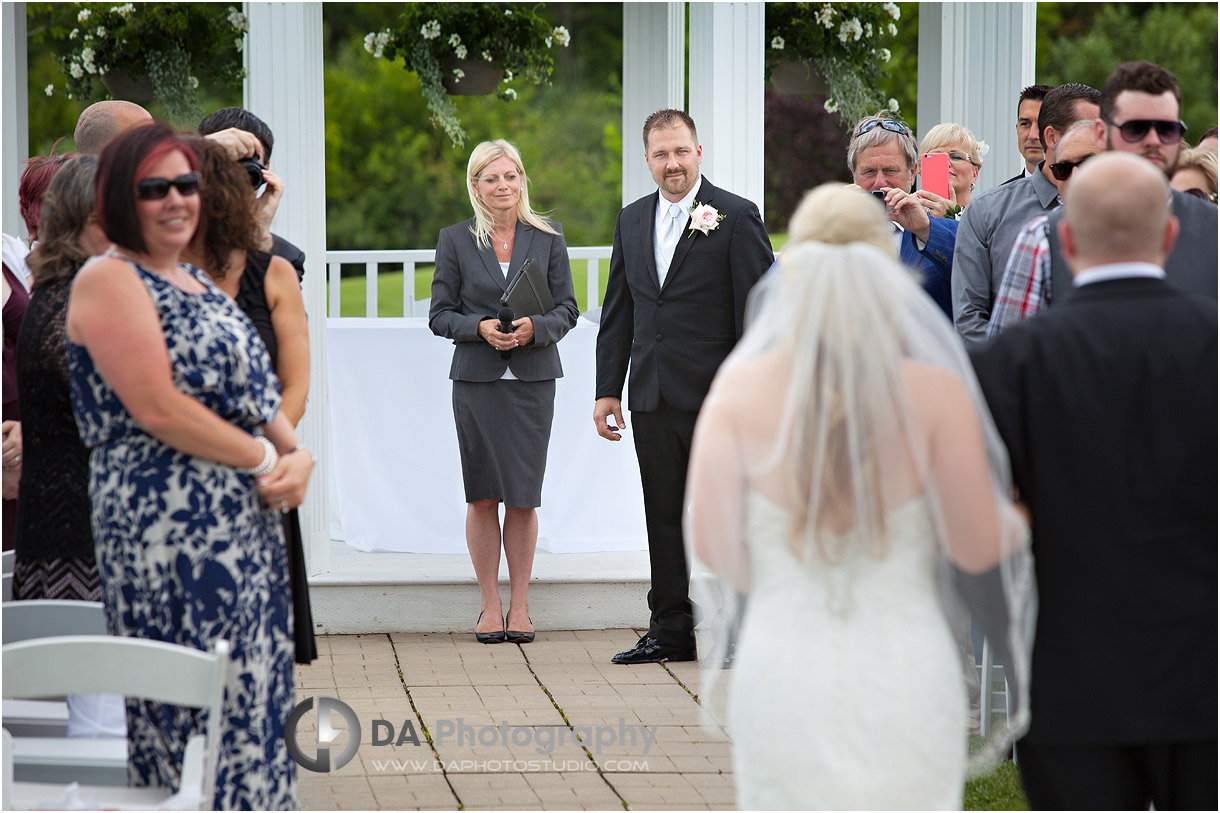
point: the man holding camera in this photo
(236, 119)
(881, 156)
(247, 138)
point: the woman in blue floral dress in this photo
(190, 464)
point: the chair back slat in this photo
(50, 618)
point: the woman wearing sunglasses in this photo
(191, 460)
(267, 290)
(1196, 174)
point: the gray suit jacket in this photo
(988, 229)
(1191, 265)
(466, 289)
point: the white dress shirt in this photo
(1109, 271)
(896, 232)
(665, 238)
(508, 373)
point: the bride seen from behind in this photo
(847, 490)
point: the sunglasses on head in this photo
(885, 124)
(1062, 170)
(158, 188)
(1135, 129)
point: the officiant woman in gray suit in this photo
(503, 382)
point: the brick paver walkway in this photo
(502, 724)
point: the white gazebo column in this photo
(974, 60)
(654, 74)
(283, 87)
(726, 93)
(16, 111)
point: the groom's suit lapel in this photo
(685, 240)
(647, 222)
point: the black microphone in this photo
(506, 326)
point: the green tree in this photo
(393, 180)
(1083, 43)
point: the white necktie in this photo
(669, 240)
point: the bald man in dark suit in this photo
(1107, 404)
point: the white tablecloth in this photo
(396, 472)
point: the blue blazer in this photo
(935, 262)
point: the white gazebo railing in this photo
(410, 258)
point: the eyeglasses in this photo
(1062, 170)
(1135, 129)
(494, 180)
(1199, 193)
(887, 124)
(158, 188)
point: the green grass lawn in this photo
(389, 289)
(998, 790)
(389, 286)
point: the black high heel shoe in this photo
(489, 637)
(518, 637)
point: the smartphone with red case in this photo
(934, 173)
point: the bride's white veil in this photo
(848, 395)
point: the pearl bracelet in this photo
(270, 457)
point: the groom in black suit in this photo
(1108, 404)
(674, 308)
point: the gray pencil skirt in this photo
(503, 430)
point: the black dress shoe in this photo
(650, 650)
(518, 637)
(488, 637)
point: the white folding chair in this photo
(45, 618)
(134, 667)
(988, 694)
(50, 618)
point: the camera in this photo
(878, 194)
(254, 168)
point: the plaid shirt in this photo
(1025, 288)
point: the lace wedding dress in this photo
(846, 692)
(847, 425)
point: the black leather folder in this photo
(528, 294)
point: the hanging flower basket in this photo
(465, 77)
(143, 52)
(465, 49)
(833, 49)
(798, 78)
(124, 86)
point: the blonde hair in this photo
(944, 136)
(1201, 159)
(484, 154)
(834, 213)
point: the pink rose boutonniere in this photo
(703, 218)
